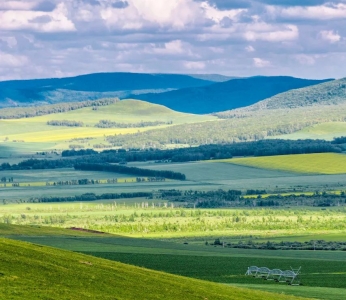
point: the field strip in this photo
(75, 182)
(320, 163)
(301, 291)
(289, 194)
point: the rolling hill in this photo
(90, 87)
(227, 95)
(30, 271)
(281, 115)
(328, 93)
(21, 132)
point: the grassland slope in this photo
(320, 163)
(35, 129)
(30, 271)
(326, 93)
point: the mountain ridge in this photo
(227, 95)
(90, 87)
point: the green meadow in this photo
(35, 130)
(322, 275)
(326, 131)
(320, 163)
(140, 217)
(30, 271)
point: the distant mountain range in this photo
(91, 87)
(227, 95)
(194, 93)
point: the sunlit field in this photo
(320, 163)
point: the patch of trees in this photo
(65, 123)
(130, 170)
(82, 152)
(201, 199)
(4, 179)
(27, 112)
(221, 151)
(234, 198)
(255, 192)
(90, 197)
(284, 245)
(339, 140)
(111, 124)
(205, 152)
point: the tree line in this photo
(111, 124)
(33, 111)
(204, 152)
(90, 197)
(214, 151)
(65, 123)
(130, 170)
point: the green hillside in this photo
(281, 115)
(30, 271)
(326, 131)
(36, 130)
(328, 93)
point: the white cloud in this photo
(250, 49)
(173, 47)
(261, 63)
(305, 59)
(330, 36)
(10, 40)
(194, 65)
(175, 14)
(272, 34)
(54, 21)
(321, 12)
(17, 5)
(212, 13)
(9, 60)
(67, 37)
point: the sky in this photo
(60, 38)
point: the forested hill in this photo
(227, 95)
(90, 87)
(328, 93)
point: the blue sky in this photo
(57, 38)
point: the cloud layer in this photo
(54, 38)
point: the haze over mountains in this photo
(199, 93)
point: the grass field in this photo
(35, 272)
(325, 131)
(200, 176)
(35, 130)
(322, 271)
(140, 217)
(320, 163)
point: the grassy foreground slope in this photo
(30, 271)
(320, 163)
